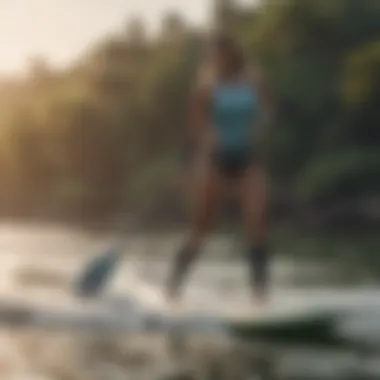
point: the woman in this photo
(227, 119)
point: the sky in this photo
(60, 29)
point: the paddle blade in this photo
(96, 274)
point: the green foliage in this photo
(361, 76)
(349, 172)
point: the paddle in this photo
(97, 273)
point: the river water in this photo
(39, 263)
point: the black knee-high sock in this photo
(258, 259)
(181, 265)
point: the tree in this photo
(173, 27)
(136, 32)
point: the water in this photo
(38, 264)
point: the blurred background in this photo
(93, 101)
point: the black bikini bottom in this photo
(235, 163)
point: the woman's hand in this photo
(261, 130)
(209, 141)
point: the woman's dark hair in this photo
(227, 45)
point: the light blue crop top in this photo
(235, 108)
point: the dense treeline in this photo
(107, 132)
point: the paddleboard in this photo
(280, 319)
(274, 324)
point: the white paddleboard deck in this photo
(237, 309)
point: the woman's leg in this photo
(207, 182)
(255, 224)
